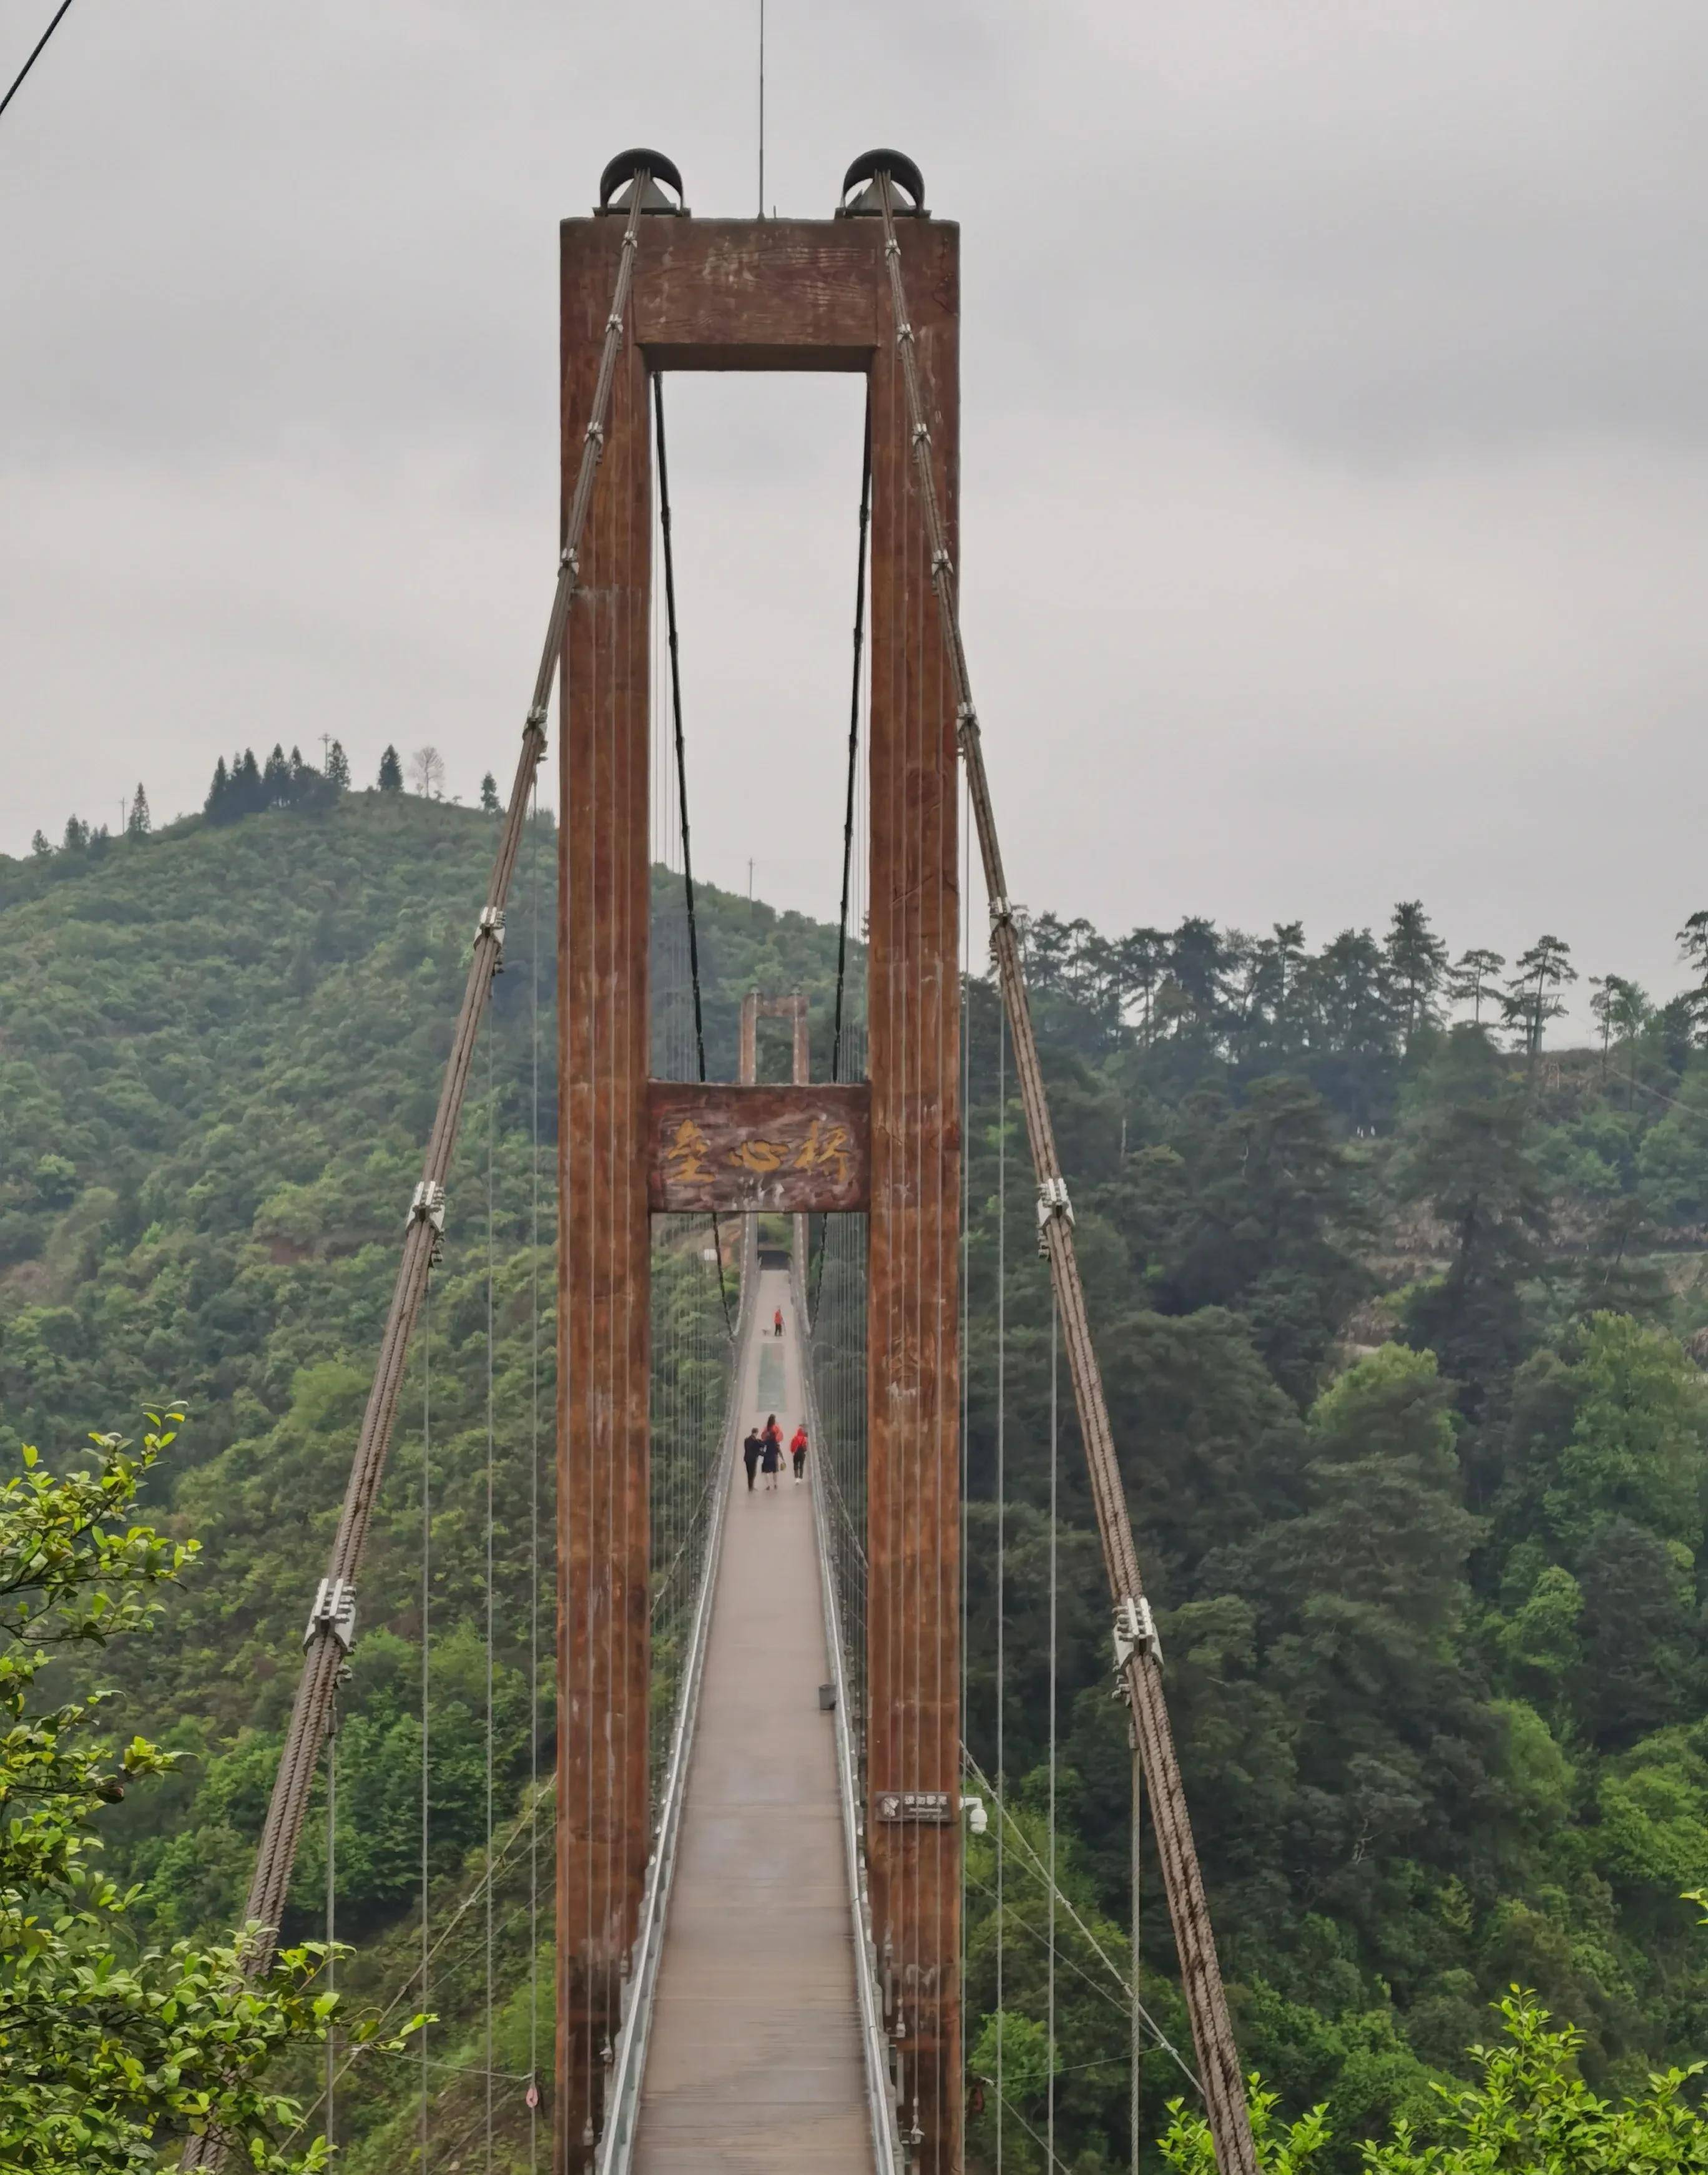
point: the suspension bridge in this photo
(761, 1791)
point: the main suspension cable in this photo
(1001, 1527)
(812, 1284)
(671, 635)
(682, 785)
(1138, 1655)
(1055, 1679)
(35, 56)
(532, 2094)
(330, 2126)
(427, 1690)
(853, 738)
(491, 1626)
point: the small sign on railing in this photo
(929, 1807)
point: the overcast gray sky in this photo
(1335, 426)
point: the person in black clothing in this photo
(771, 1443)
(751, 1451)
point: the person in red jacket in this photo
(797, 1450)
(776, 1323)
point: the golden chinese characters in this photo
(760, 1157)
(686, 1157)
(826, 1145)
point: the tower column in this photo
(913, 1485)
(603, 1296)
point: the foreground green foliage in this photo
(1529, 2109)
(110, 2053)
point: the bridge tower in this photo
(754, 1007)
(758, 294)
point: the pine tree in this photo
(1345, 990)
(252, 795)
(137, 824)
(338, 767)
(1385, 1530)
(1472, 1164)
(1469, 981)
(75, 834)
(1693, 945)
(1140, 961)
(42, 845)
(489, 794)
(275, 780)
(391, 779)
(1628, 1012)
(217, 807)
(1417, 960)
(1530, 1001)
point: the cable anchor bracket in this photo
(491, 924)
(1052, 1203)
(427, 1206)
(333, 1611)
(1135, 1633)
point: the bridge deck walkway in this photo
(755, 2060)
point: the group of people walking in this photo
(762, 1452)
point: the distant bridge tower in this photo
(755, 1007)
(758, 295)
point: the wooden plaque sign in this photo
(796, 1151)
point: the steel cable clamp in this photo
(491, 924)
(1135, 1633)
(1052, 1201)
(333, 1611)
(428, 1206)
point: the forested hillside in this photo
(1396, 1314)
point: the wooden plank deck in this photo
(755, 2061)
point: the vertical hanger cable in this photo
(1055, 1568)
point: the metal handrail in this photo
(628, 2068)
(887, 2157)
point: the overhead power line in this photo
(59, 15)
